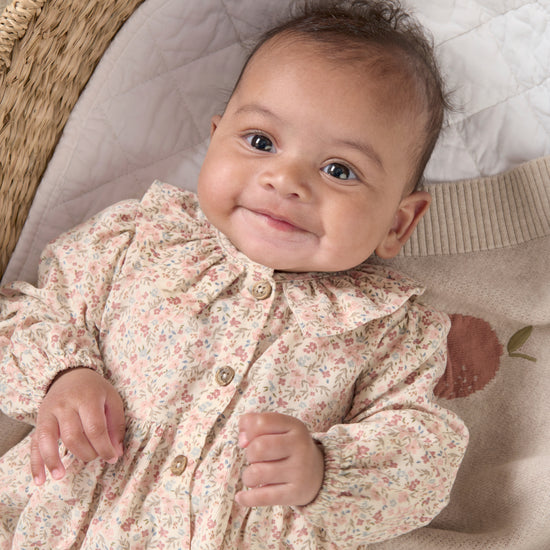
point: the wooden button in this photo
(261, 290)
(224, 376)
(178, 465)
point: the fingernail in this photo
(113, 460)
(57, 473)
(243, 440)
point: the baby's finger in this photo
(37, 464)
(252, 425)
(116, 424)
(46, 438)
(267, 448)
(73, 435)
(263, 473)
(94, 422)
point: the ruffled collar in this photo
(324, 304)
(327, 304)
(334, 303)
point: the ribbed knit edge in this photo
(485, 213)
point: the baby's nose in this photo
(290, 180)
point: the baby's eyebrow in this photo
(363, 147)
(256, 108)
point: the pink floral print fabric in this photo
(192, 334)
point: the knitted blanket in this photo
(484, 253)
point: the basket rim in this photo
(48, 51)
(14, 23)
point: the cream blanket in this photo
(484, 253)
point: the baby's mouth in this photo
(277, 221)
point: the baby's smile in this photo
(274, 220)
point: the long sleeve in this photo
(55, 326)
(391, 464)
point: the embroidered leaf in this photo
(523, 356)
(519, 338)
(517, 341)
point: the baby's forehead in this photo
(400, 87)
(385, 63)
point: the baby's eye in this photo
(339, 171)
(260, 142)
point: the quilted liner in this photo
(146, 111)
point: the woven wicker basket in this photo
(48, 50)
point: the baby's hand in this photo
(285, 465)
(86, 412)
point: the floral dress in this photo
(193, 334)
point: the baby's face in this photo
(307, 167)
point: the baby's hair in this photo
(393, 43)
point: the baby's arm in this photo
(54, 327)
(285, 465)
(390, 466)
(83, 410)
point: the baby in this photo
(225, 370)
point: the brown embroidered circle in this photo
(474, 353)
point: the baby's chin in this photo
(304, 255)
(303, 266)
(276, 262)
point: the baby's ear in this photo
(410, 211)
(214, 122)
